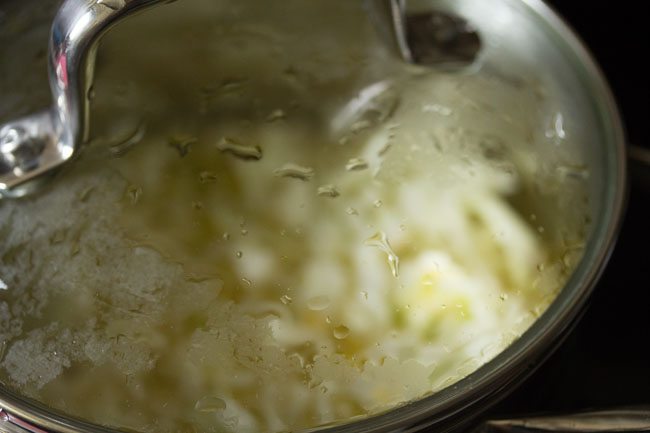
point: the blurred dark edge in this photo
(605, 363)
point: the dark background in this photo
(605, 362)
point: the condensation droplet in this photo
(134, 193)
(352, 211)
(86, 193)
(239, 254)
(91, 93)
(276, 115)
(318, 303)
(244, 232)
(208, 177)
(328, 191)
(360, 126)
(556, 130)
(365, 295)
(295, 171)
(380, 241)
(182, 144)
(225, 236)
(438, 109)
(239, 150)
(573, 171)
(356, 164)
(341, 332)
(210, 404)
(122, 147)
(246, 281)
(286, 299)
(378, 203)
(112, 4)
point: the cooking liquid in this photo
(245, 263)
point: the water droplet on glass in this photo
(112, 4)
(241, 151)
(556, 130)
(328, 191)
(225, 236)
(573, 171)
(85, 194)
(341, 332)
(246, 281)
(385, 148)
(182, 144)
(91, 93)
(210, 404)
(380, 241)
(286, 299)
(352, 211)
(239, 254)
(356, 164)
(208, 177)
(378, 203)
(232, 84)
(134, 193)
(365, 295)
(122, 147)
(244, 232)
(503, 296)
(294, 171)
(328, 320)
(438, 109)
(276, 115)
(318, 303)
(360, 126)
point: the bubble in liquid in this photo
(239, 150)
(318, 303)
(341, 332)
(210, 404)
(380, 240)
(356, 164)
(295, 171)
(328, 191)
(286, 299)
(239, 254)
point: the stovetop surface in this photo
(605, 363)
